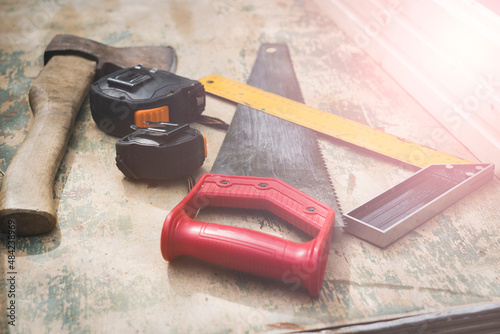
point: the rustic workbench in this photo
(101, 269)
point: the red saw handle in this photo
(248, 250)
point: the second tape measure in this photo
(162, 151)
(326, 123)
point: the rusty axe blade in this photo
(56, 95)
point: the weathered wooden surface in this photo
(101, 269)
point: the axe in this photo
(55, 97)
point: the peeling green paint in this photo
(116, 37)
(14, 109)
(97, 265)
(38, 244)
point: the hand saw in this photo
(264, 149)
(259, 144)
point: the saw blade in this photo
(259, 144)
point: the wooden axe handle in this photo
(56, 95)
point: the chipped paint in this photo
(101, 269)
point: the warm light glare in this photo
(465, 46)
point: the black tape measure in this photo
(133, 95)
(161, 151)
(150, 110)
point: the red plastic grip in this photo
(248, 250)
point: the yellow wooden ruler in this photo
(326, 123)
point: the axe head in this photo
(110, 59)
